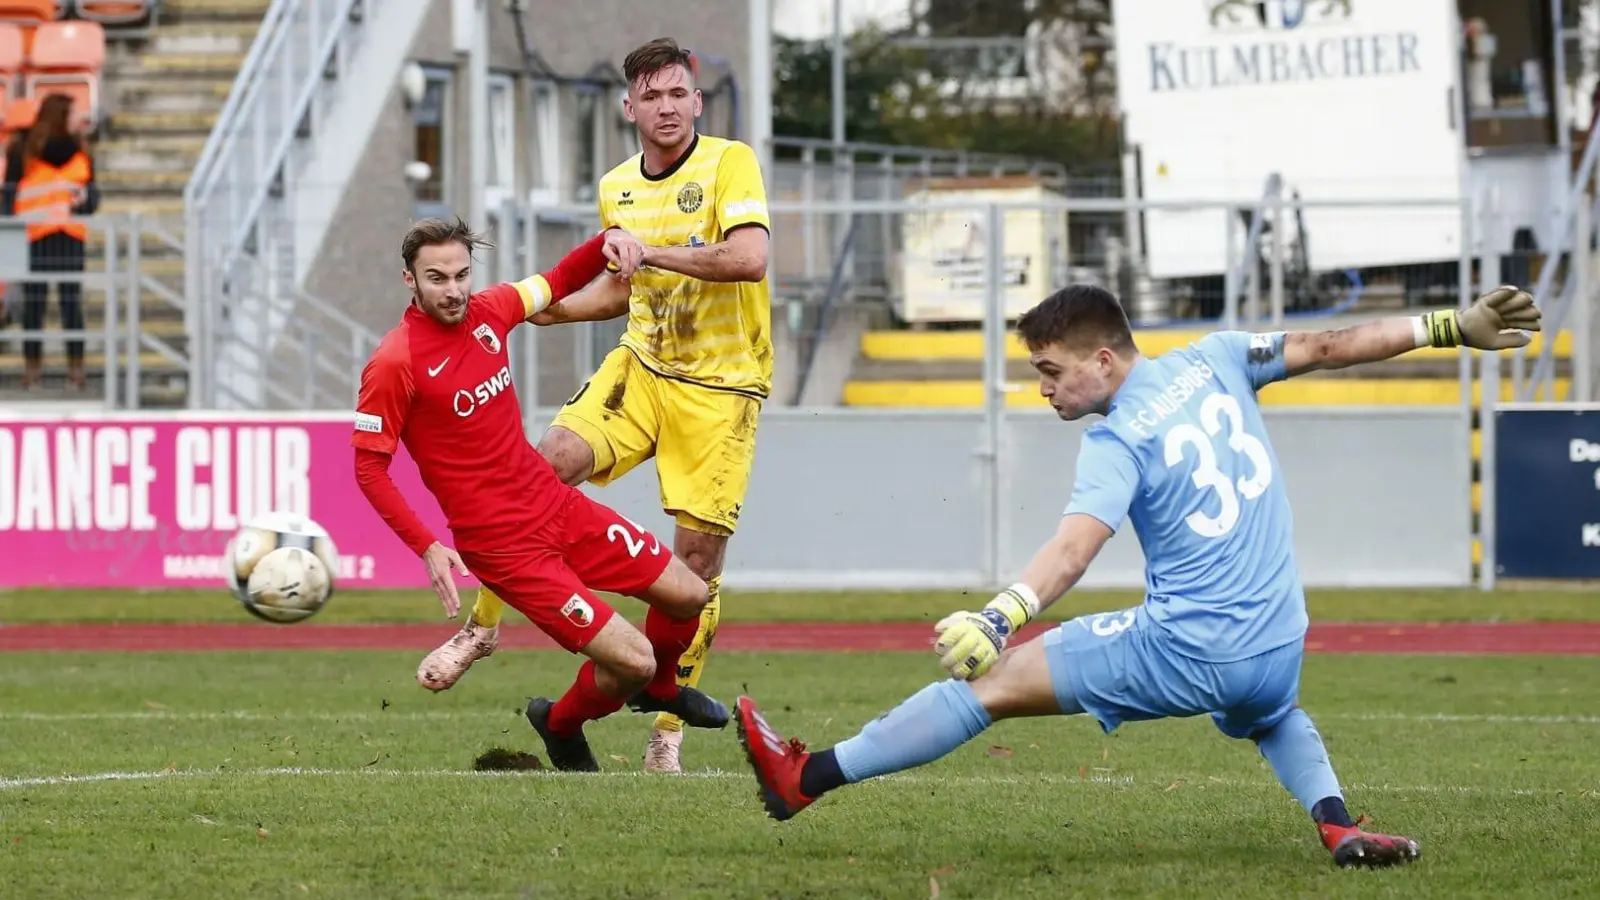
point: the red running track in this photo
(1572, 638)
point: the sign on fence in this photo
(151, 501)
(1547, 493)
(944, 255)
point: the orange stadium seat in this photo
(30, 12)
(20, 113)
(66, 58)
(115, 12)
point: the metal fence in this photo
(251, 322)
(116, 303)
(957, 257)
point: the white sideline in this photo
(1098, 778)
(462, 714)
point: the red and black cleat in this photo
(777, 762)
(1352, 847)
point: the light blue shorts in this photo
(1119, 667)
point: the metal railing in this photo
(935, 270)
(119, 287)
(245, 307)
(926, 160)
(1576, 219)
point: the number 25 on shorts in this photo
(634, 545)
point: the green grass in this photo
(849, 606)
(307, 774)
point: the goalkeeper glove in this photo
(1484, 325)
(969, 643)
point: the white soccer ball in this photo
(281, 567)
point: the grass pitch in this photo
(321, 774)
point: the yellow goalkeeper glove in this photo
(969, 643)
(1495, 321)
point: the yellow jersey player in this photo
(688, 380)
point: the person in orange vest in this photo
(49, 180)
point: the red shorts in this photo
(585, 547)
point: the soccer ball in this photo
(280, 567)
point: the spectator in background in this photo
(50, 177)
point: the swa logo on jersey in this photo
(467, 402)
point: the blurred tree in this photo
(899, 93)
(965, 18)
(803, 75)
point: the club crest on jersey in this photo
(487, 338)
(690, 198)
(578, 611)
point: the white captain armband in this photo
(535, 293)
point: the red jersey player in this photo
(440, 383)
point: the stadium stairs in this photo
(162, 89)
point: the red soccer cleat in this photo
(1353, 847)
(777, 762)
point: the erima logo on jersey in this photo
(468, 401)
(369, 423)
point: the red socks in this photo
(669, 638)
(583, 702)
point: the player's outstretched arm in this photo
(1495, 321)
(604, 298)
(969, 643)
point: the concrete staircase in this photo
(162, 96)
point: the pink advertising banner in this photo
(150, 500)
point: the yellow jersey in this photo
(714, 334)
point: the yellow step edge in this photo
(968, 345)
(1300, 392)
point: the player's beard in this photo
(440, 312)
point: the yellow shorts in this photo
(703, 439)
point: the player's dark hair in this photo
(1080, 317)
(655, 56)
(432, 232)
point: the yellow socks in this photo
(486, 612)
(693, 660)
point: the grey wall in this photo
(864, 498)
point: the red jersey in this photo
(445, 391)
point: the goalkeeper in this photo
(1183, 454)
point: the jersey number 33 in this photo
(1242, 470)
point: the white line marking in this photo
(1098, 778)
(508, 713)
(1462, 717)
